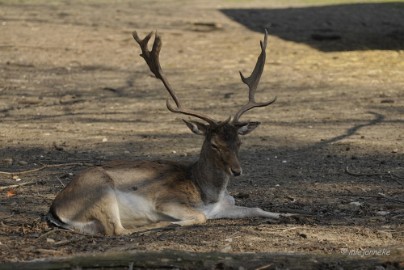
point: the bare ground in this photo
(74, 90)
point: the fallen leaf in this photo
(11, 193)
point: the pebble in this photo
(22, 162)
(50, 240)
(226, 248)
(355, 204)
(382, 213)
(7, 161)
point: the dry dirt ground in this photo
(73, 90)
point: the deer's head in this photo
(222, 141)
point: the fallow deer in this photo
(125, 197)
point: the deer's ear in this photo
(246, 127)
(196, 127)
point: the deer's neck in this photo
(211, 180)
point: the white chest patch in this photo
(218, 209)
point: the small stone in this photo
(382, 213)
(50, 240)
(57, 146)
(22, 162)
(302, 235)
(357, 204)
(7, 161)
(68, 99)
(227, 248)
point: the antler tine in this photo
(191, 113)
(152, 60)
(253, 81)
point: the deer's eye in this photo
(215, 147)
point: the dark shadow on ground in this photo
(322, 163)
(345, 27)
(309, 180)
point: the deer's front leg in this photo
(226, 208)
(185, 215)
(234, 211)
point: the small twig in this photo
(55, 229)
(263, 267)
(62, 242)
(399, 216)
(49, 251)
(60, 181)
(396, 178)
(378, 196)
(299, 212)
(44, 166)
(48, 233)
(390, 198)
(17, 185)
(393, 176)
(362, 174)
(9, 216)
(68, 241)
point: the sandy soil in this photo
(74, 90)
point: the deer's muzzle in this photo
(236, 171)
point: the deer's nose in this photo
(236, 171)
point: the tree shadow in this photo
(344, 27)
(378, 118)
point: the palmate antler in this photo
(152, 60)
(253, 82)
